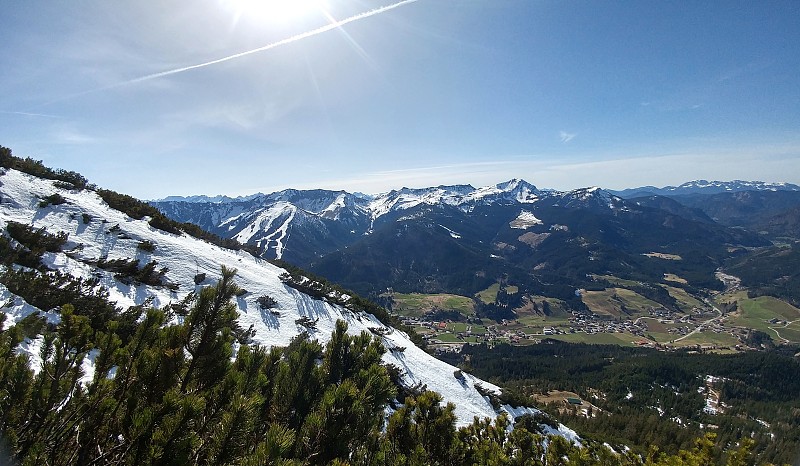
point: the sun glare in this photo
(277, 11)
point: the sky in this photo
(157, 98)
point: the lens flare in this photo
(276, 11)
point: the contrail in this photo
(43, 115)
(289, 40)
(333, 25)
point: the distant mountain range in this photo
(705, 187)
(302, 225)
(772, 209)
(461, 239)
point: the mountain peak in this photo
(591, 196)
(512, 190)
(515, 184)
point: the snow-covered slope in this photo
(186, 257)
(463, 196)
(325, 219)
(592, 197)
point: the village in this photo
(661, 329)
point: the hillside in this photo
(770, 209)
(93, 295)
(96, 232)
(160, 343)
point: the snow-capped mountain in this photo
(754, 205)
(97, 232)
(592, 197)
(300, 225)
(460, 239)
(705, 187)
(204, 198)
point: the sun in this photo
(276, 11)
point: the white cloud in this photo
(764, 163)
(67, 135)
(566, 137)
(750, 163)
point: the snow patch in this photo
(561, 430)
(524, 221)
(452, 233)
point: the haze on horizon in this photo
(239, 96)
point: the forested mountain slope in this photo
(460, 239)
(127, 341)
(101, 243)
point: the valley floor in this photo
(706, 325)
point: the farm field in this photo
(686, 301)
(614, 311)
(615, 280)
(417, 304)
(489, 295)
(767, 314)
(791, 333)
(617, 302)
(624, 339)
(708, 338)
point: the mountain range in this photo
(100, 242)
(86, 270)
(460, 239)
(706, 187)
(299, 225)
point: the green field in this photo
(774, 305)
(662, 337)
(545, 321)
(447, 338)
(709, 338)
(456, 327)
(417, 304)
(752, 313)
(612, 300)
(615, 280)
(489, 295)
(558, 309)
(655, 326)
(757, 312)
(791, 333)
(671, 277)
(624, 339)
(685, 301)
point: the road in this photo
(700, 327)
(775, 329)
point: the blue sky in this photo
(564, 94)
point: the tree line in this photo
(187, 391)
(648, 397)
